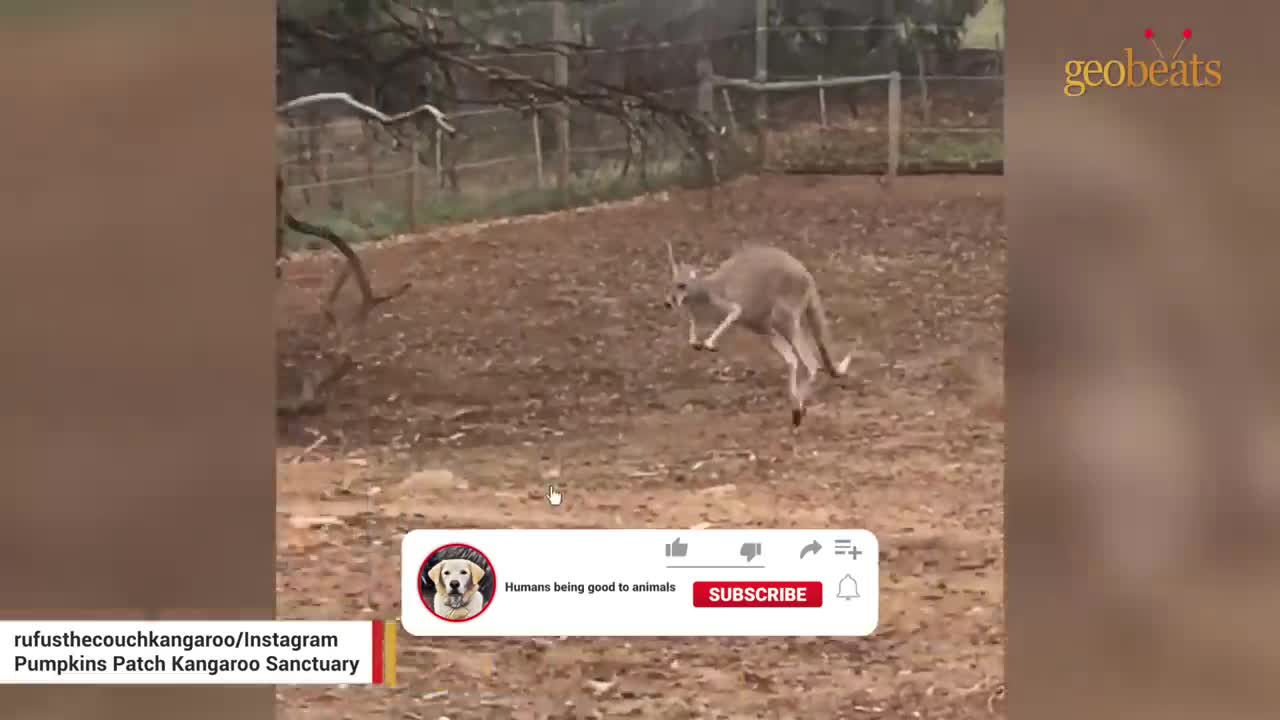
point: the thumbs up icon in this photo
(677, 549)
(848, 588)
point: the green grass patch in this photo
(954, 148)
(356, 225)
(581, 192)
(381, 219)
(841, 150)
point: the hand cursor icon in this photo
(554, 498)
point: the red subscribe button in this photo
(756, 593)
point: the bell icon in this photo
(848, 589)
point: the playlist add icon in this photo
(845, 546)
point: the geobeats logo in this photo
(1175, 72)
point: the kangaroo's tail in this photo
(817, 318)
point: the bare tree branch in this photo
(424, 40)
(368, 111)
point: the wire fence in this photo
(945, 112)
(934, 123)
(365, 181)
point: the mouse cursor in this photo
(554, 498)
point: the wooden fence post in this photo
(822, 104)
(706, 88)
(926, 112)
(895, 122)
(411, 186)
(560, 33)
(703, 68)
(439, 157)
(371, 153)
(537, 147)
(762, 76)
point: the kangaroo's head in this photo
(682, 275)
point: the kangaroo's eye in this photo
(681, 286)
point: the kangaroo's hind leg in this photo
(803, 346)
(783, 347)
(806, 350)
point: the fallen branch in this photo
(368, 300)
(312, 390)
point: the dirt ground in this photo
(540, 349)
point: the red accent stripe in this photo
(378, 636)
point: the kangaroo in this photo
(770, 293)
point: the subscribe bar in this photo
(599, 583)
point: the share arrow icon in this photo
(812, 547)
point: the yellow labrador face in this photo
(455, 577)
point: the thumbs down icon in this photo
(750, 551)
